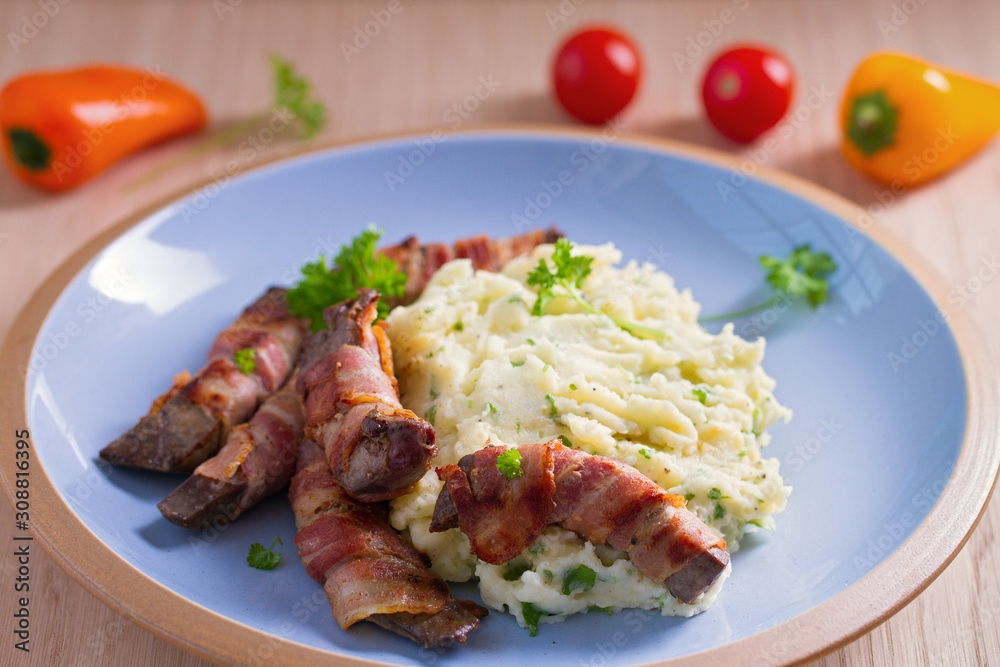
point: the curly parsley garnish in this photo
(509, 464)
(357, 265)
(246, 360)
(291, 103)
(264, 559)
(293, 93)
(567, 279)
(802, 274)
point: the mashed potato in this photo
(689, 411)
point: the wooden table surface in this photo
(430, 57)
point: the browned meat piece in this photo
(189, 423)
(257, 461)
(419, 262)
(599, 498)
(376, 448)
(368, 571)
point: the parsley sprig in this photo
(291, 101)
(567, 279)
(509, 464)
(356, 265)
(802, 274)
(264, 559)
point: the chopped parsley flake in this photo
(714, 494)
(566, 441)
(431, 414)
(552, 406)
(531, 342)
(689, 497)
(531, 615)
(515, 364)
(514, 572)
(492, 408)
(607, 610)
(246, 360)
(264, 559)
(701, 395)
(509, 464)
(580, 578)
(572, 386)
(720, 511)
(645, 453)
(459, 326)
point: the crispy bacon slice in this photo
(420, 262)
(368, 571)
(190, 422)
(257, 461)
(376, 449)
(599, 498)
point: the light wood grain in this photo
(426, 60)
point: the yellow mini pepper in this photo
(906, 121)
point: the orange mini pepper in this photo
(60, 128)
(906, 121)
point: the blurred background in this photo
(387, 67)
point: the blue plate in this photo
(874, 377)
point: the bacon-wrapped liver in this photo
(376, 449)
(420, 262)
(368, 571)
(599, 498)
(257, 461)
(190, 422)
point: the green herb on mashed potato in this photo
(567, 279)
(580, 578)
(356, 265)
(531, 614)
(802, 274)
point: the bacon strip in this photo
(368, 571)
(420, 262)
(257, 461)
(189, 423)
(376, 448)
(599, 498)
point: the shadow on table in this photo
(15, 194)
(825, 166)
(529, 108)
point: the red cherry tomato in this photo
(596, 73)
(746, 91)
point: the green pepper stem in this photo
(29, 150)
(871, 124)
